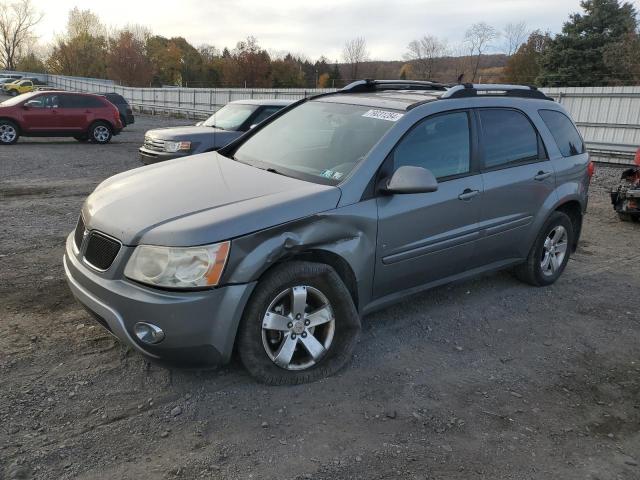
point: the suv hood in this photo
(202, 137)
(198, 200)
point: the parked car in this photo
(341, 204)
(84, 116)
(5, 80)
(219, 129)
(19, 87)
(126, 112)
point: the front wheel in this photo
(100, 133)
(300, 325)
(550, 252)
(8, 132)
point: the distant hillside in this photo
(447, 69)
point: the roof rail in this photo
(370, 85)
(471, 90)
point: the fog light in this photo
(148, 333)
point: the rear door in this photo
(74, 112)
(426, 237)
(517, 177)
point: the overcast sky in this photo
(312, 28)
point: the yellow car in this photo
(18, 87)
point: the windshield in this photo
(19, 99)
(318, 141)
(231, 116)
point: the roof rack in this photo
(471, 90)
(370, 85)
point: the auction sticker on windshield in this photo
(383, 115)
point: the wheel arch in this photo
(326, 257)
(573, 209)
(14, 121)
(101, 120)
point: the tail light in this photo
(591, 169)
(637, 160)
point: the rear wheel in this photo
(100, 133)
(300, 325)
(550, 252)
(8, 132)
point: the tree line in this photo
(599, 46)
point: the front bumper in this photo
(153, 156)
(200, 327)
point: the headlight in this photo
(178, 267)
(172, 147)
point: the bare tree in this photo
(477, 39)
(17, 20)
(515, 34)
(423, 53)
(354, 53)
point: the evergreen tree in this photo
(575, 57)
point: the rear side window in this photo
(564, 132)
(440, 144)
(508, 138)
(116, 99)
(263, 114)
(81, 101)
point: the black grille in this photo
(79, 233)
(101, 250)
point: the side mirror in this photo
(410, 179)
(30, 104)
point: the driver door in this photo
(39, 115)
(427, 237)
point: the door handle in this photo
(468, 194)
(542, 176)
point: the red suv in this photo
(83, 116)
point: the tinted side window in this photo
(80, 101)
(265, 113)
(508, 138)
(564, 133)
(440, 143)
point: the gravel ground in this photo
(487, 378)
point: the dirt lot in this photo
(483, 379)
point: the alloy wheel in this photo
(101, 133)
(554, 250)
(298, 328)
(7, 133)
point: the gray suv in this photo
(340, 204)
(227, 124)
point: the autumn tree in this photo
(478, 38)
(523, 67)
(250, 64)
(423, 54)
(127, 60)
(286, 73)
(31, 62)
(354, 53)
(17, 21)
(623, 60)
(82, 50)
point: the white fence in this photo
(608, 117)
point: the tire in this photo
(333, 337)
(100, 132)
(9, 132)
(541, 269)
(13, 93)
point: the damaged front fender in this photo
(345, 235)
